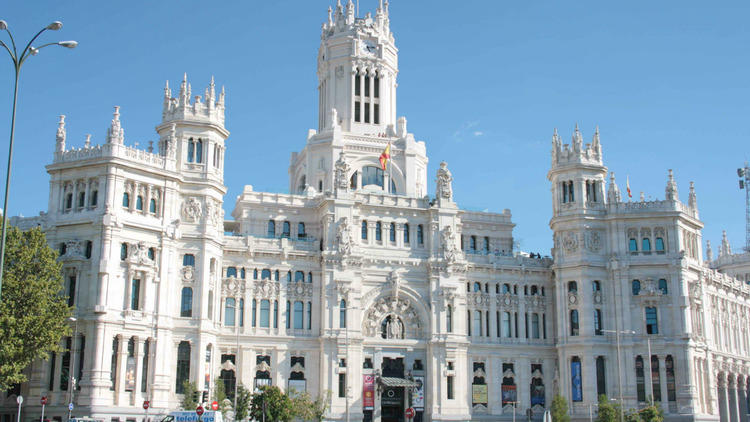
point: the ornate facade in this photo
(362, 284)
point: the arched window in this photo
(378, 231)
(596, 285)
(199, 151)
(188, 260)
(309, 315)
(183, 366)
(406, 234)
(186, 304)
(636, 287)
(572, 287)
(486, 247)
(126, 200)
(633, 245)
(342, 314)
(242, 273)
(265, 310)
(663, 288)
(152, 206)
(299, 277)
(601, 378)
(659, 245)
(506, 288)
(655, 378)
(255, 274)
(534, 290)
(372, 175)
(139, 203)
(191, 151)
(574, 322)
(449, 319)
(299, 315)
(506, 324)
(364, 229)
(286, 229)
(265, 274)
(392, 232)
(289, 276)
(301, 230)
(477, 323)
(576, 379)
(276, 275)
(640, 382)
(598, 322)
(420, 235)
(271, 228)
(232, 272)
(477, 287)
(646, 244)
(353, 181)
(229, 305)
(309, 278)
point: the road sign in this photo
(410, 412)
(70, 406)
(146, 404)
(44, 400)
(214, 405)
(199, 410)
(19, 400)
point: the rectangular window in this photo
(299, 315)
(506, 324)
(659, 245)
(449, 387)
(601, 382)
(135, 294)
(633, 245)
(71, 290)
(357, 80)
(265, 310)
(356, 110)
(652, 322)
(376, 87)
(65, 368)
(376, 112)
(367, 86)
(367, 112)
(535, 325)
(420, 235)
(342, 385)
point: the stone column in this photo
(371, 97)
(734, 415)
(722, 395)
(122, 356)
(663, 383)
(362, 77)
(138, 356)
(742, 399)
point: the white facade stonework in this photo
(363, 274)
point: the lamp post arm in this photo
(25, 52)
(12, 42)
(12, 57)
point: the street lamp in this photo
(619, 366)
(18, 60)
(72, 367)
(348, 364)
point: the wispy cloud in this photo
(478, 133)
(468, 129)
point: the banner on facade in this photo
(368, 392)
(508, 394)
(297, 386)
(130, 374)
(537, 395)
(418, 399)
(479, 393)
(575, 371)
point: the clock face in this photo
(368, 47)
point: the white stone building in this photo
(363, 284)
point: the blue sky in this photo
(483, 83)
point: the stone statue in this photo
(341, 172)
(444, 182)
(449, 244)
(395, 280)
(344, 236)
(334, 118)
(394, 328)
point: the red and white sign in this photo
(410, 412)
(199, 410)
(146, 404)
(44, 400)
(368, 392)
(214, 405)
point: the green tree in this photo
(33, 310)
(243, 402)
(651, 413)
(608, 412)
(188, 396)
(559, 409)
(220, 396)
(272, 402)
(308, 409)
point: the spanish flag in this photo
(627, 186)
(385, 156)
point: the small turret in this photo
(613, 192)
(726, 248)
(61, 135)
(576, 152)
(709, 251)
(692, 199)
(671, 189)
(115, 133)
(206, 109)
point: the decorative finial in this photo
(692, 197)
(709, 251)
(61, 135)
(671, 189)
(87, 144)
(115, 133)
(726, 248)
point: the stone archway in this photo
(394, 317)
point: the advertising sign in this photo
(479, 393)
(509, 394)
(368, 392)
(418, 399)
(575, 370)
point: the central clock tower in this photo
(357, 68)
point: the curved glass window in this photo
(186, 306)
(633, 245)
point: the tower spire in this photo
(613, 192)
(692, 198)
(709, 251)
(671, 189)
(726, 248)
(115, 133)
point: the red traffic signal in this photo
(146, 404)
(199, 410)
(44, 400)
(214, 405)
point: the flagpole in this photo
(390, 173)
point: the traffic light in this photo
(196, 396)
(205, 397)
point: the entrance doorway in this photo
(392, 404)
